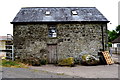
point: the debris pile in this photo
(88, 59)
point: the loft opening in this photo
(74, 12)
(47, 13)
(52, 31)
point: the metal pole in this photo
(102, 37)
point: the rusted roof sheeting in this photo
(57, 14)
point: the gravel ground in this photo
(29, 73)
(100, 71)
(51, 71)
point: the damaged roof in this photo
(58, 14)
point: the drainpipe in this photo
(102, 38)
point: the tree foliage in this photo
(114, 34)
(118, 30)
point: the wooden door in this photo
(52, 53)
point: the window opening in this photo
(52, 31)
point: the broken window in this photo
(52, 31)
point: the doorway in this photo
(52, 53)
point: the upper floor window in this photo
(52, 32)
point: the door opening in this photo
(52, 53)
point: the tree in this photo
(112, 35)
(118, 30)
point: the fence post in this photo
(116, 50)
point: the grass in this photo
(60, 74)
(15, 64)
(116, 53)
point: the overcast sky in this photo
(9, 9)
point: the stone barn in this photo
(59, 32)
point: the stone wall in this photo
(72, 40)
(79, 39)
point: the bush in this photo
(43, 62)
(109, 44)
(36, 62)
(66, 62)
(36, 59)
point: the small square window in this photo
(47, 12)
(74, 12)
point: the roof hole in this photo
(47, 12)
(74, 12)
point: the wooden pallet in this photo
(107, 57)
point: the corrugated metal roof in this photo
(57, 14)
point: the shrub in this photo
(109, 44)
(66, 62)
(36, 62)
(36, 59)
(43, 62)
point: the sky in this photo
(9, 9)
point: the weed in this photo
(15, 64)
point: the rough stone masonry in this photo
(72, 37)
